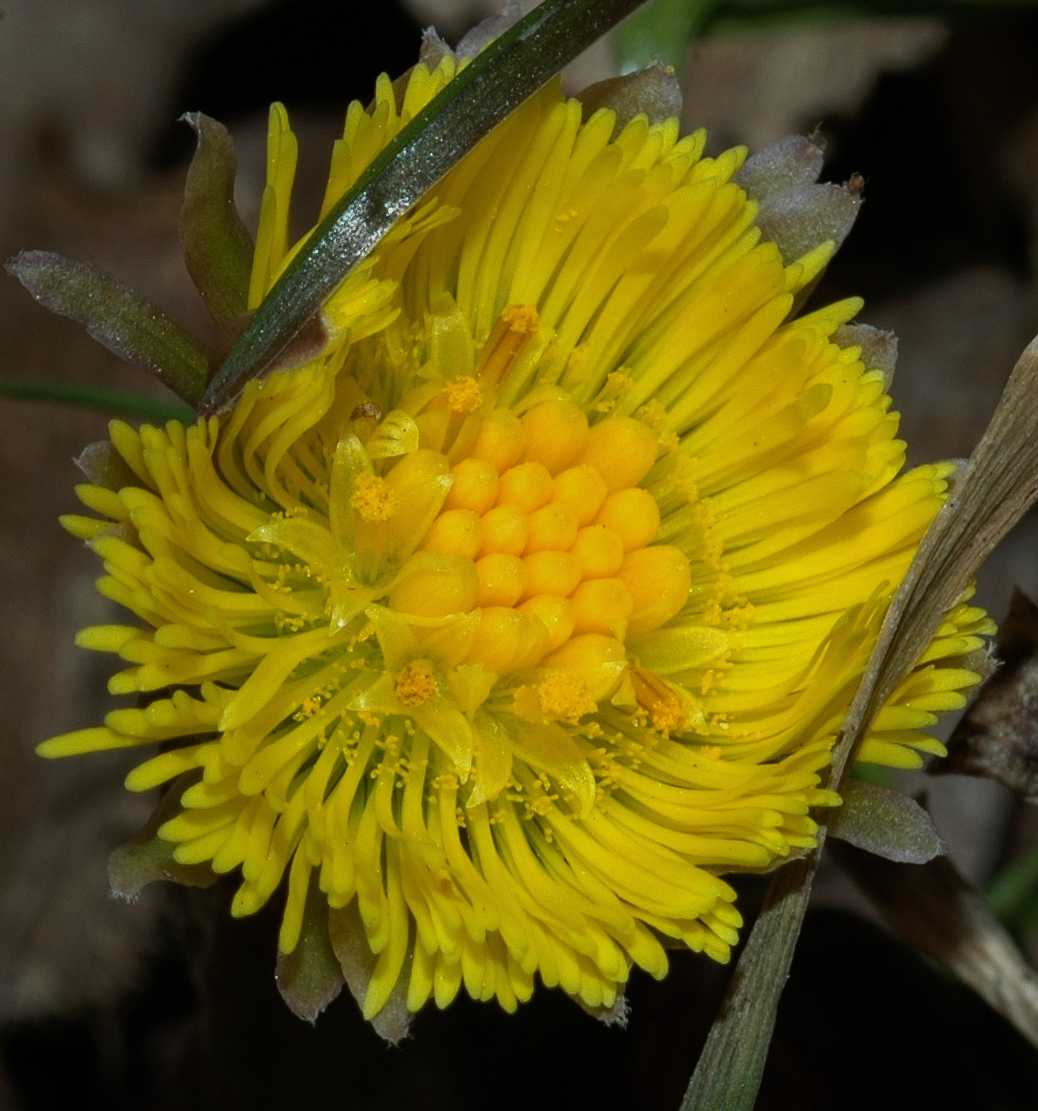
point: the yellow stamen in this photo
(373, 499)
(415, 684)
(507, 640)
(594, 657)
(602, 606)
(564, 696)
(515, 328)
(552, 528)
(654, 695)
(463, 394)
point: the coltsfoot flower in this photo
(530, 606)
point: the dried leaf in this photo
(935, 910)
(309, 978)
(885, 822)
(104, 466)
(780, 167)
(996, 488)
(654, 92)
(803, 217)
(217, 247)
(129, 326)
(878, 348)
(795, 210)
(483, 34)
(433, 49)
(145, 858)
(731, 1065)
(350, 945)
(132, 866)
(998, 736)
(618, 1014)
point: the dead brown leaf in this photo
(998, 736)
(938, 913)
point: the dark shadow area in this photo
(929, 148)
(310, 54)
(863, 1023)
(866, 1023)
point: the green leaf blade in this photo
(1013, 893)
(217, 245)
(661, 33)
(119, 319)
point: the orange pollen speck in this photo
(463, 394)
(654, 695)
(564, 696)
(515, 327)
(665, 719)
(373, 499)
(415, 684)
(520, 318)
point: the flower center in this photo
(547, 533)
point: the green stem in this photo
(115, 402)
(508, 71)
(1013, 893)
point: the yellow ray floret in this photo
(533, 603)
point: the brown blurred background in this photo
(166, 1004)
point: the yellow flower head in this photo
(532, 604)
